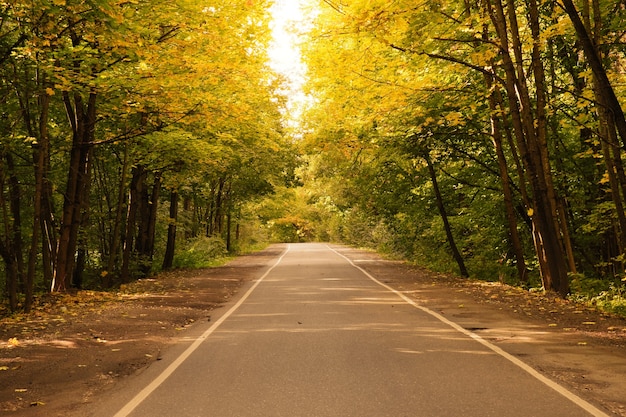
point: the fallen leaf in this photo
(4, 368)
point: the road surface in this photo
(318, 336)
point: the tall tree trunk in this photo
(531, 143)
(609, 140)
(229, 218)
(6, 247)
(136, 188)
(170, 249)
(15, 203)
(219, 196)
(82, 117)
(456, 254)
(116, 235)
(49, 238)
(496, 135)
(147, 224)
(11, 275)
(592, 54)
(82, 217)
(40, 151)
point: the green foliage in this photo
(608, 296)
(397, 82)
(200, 252)
(183, 103)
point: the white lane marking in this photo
(591, 409)
(144, 393)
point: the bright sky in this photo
(289, 21)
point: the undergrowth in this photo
(609, 296)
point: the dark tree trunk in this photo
(229, 219)
(604, 86)
(168, 259)
(136, 186)
(82, 118)
(15, 202)
(116, 235)
(531, 145)
(496, 134)
(219, 196)
(40, 153)
(456, 254)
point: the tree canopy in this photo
(481, 138)
(114, 114)
(485, 133)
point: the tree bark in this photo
(136, 188)
(456, 254)
(40, 151)
(7, 250)
(82, 117)
(531, 144)
(170, 249)
(116, 235)
(604, 86)
(496, 134)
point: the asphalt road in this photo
(317, 336)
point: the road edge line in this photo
(152, 386)
(585, 405)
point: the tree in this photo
(383, 64)
(107, 100)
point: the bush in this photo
(200, 252)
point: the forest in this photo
(480, 138)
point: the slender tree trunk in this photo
(116, 234)
(456, 254)
(82, 117)
(217, 229)
(15, 203)
(49, 239)
(6, 248)
(147, 224)
(11, 275)
(531, 143)
(152, 219)
(229, 219)
(79, 242)
(604, 86)
(170, 249)
(136, 187)
(496, 134)
(609, 140)
(211, 211)
(39, 164)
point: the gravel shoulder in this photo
(76, 348)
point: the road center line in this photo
(144, 393)
(594, 411)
